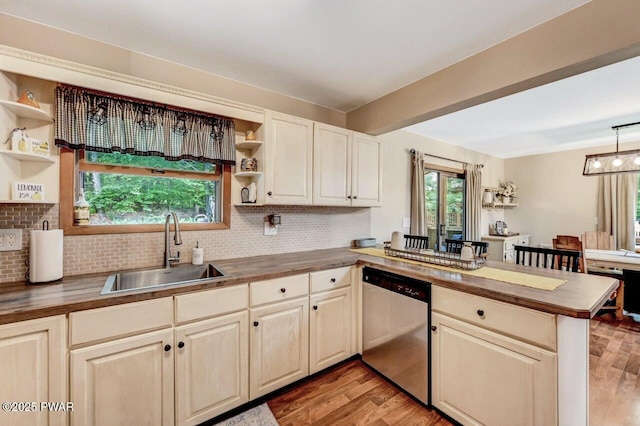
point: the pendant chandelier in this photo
(613, 162)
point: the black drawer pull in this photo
(256, 323)
(480, 313)
(269, 193)
(283, 290)
(434, 328)
(315, 307)
(181, 345)
(333, 280)
(167, 348)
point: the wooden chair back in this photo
(416, 242)
(455, 246)
(569, 242)
(566, 260)
(597, 240)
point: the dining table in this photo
(613, 259)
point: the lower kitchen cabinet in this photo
(279, 345)
(330, 328)
(33, 369)
(124, 382)
(484, 378)
(501, 249)
(212, 371)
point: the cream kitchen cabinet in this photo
(347, 167)
(212, 355)
(126, 375)
(288, 159)
(481, 373)
(127, 381)
(279, 333)
(501, 249)
(33, 369)
(331, 319)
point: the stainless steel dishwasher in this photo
(395, 330)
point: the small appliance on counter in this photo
(500, 229)
(45, 255)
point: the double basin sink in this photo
(137, 280)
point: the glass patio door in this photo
(444, 207)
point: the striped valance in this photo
(96, 121)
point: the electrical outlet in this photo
(10, 239)
(270, 229)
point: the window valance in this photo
(96, 121)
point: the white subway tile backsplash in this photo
(303, 228)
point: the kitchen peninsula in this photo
(534, 342)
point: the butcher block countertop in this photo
(580, 297)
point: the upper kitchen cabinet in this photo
(31, 159)
(347, 168)
(288, 159)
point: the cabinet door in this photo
(484, 378)
(331, 165)
(330, 328)
(366, 175)
(288, 159)
(279, 345)
(124, 382)
(212, 367)
(33, 369)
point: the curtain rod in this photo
(413, 151)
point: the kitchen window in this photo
(135, 161)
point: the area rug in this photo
(257, 416)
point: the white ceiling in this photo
(344, 54)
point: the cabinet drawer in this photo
(521, 323)
(279, 289)
(210, 303)
(330, 279)
(121, 320)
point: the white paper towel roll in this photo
(45, 256)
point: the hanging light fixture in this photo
(613, 162)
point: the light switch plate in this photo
(406, 222)
(269, 229)
(10, 239)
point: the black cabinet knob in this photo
(480, 312)
(315, 307)
(181, 345)
(269, 193)
(167, 348)
(349, 196)
(434, 328)
(255, 323)
(355, 197)
(333, 280)
(283, 290)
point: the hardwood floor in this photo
(351, 394)
(614, 372)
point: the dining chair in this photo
(539, 257)
(455, 246)
(597, 240)
(417, 242)
(569, 242)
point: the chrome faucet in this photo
(168, 259)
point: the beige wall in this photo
(554, 197)
(26, 35)
(397, 178)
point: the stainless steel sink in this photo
(128, 281)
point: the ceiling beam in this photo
(593, 35)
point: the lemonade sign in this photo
(23, 191)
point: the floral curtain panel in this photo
(100, 122)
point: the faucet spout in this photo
(177, 238)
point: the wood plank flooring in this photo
(614, 373)
(352, 394)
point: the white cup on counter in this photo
(397, 240)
